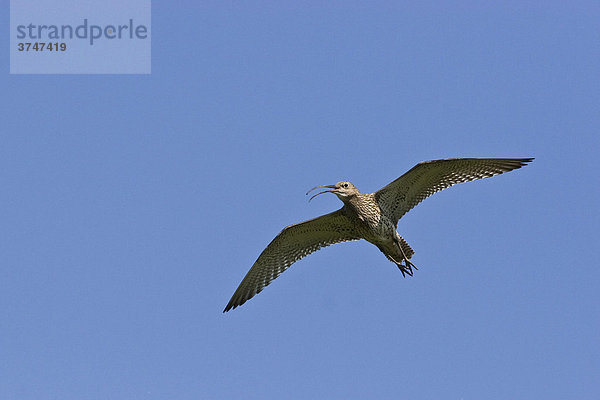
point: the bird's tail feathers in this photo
(405, 247)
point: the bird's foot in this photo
(401, 268)
(407, 268)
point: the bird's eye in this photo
(345, 185)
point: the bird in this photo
(372, 217)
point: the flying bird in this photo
(372, 216)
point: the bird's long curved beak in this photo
(325, 191)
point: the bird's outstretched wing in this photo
(293, 243)
(428, 177)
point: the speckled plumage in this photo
(372, 216)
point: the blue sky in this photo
(132, 206)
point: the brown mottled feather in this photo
(429, 177)
(293, 243)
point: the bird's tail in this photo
(399, 254)
(406, 249)
(394, 254)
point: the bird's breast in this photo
(375, 226)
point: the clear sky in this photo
(132, 206)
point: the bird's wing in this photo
(293, 243)
(428, 177)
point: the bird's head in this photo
(344, 190)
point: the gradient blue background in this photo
(132, 206)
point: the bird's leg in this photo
(408, 265)
(401, 267)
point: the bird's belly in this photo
(381, 232)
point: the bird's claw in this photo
(407, 268)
